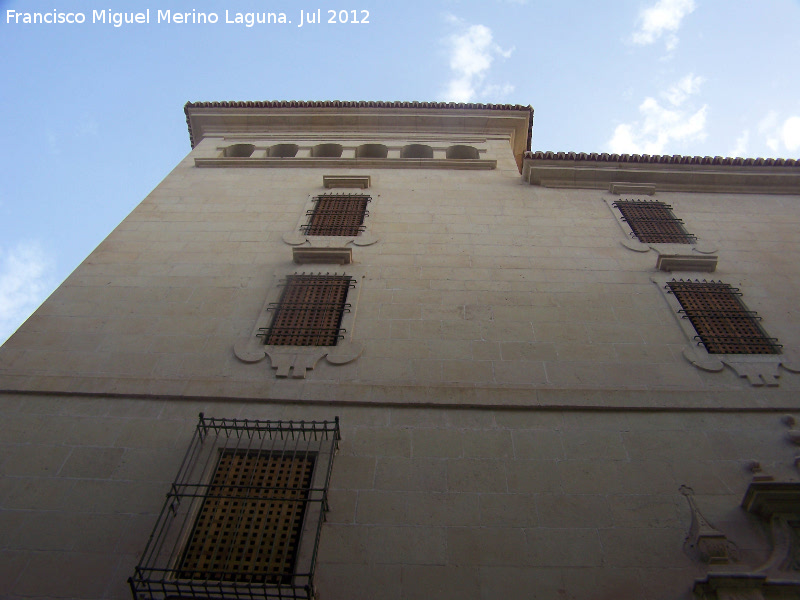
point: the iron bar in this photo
(249, 563)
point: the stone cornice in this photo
(348, 163)
(665, 173)
(417, 118)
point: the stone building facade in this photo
(430, 364)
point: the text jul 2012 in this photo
(248, 19)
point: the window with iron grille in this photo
(723, 323)
(652, 222)
(310, 311)
(337, 214)
(244, 515)
(249, 524)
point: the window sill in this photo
(331, 256)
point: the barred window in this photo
(652, 222)
(337, 214)
(310, 311)
(248, 528)
(243, 516)
(723, 323)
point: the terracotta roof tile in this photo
(675, 159)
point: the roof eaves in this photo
(355, 104)
(675, 159)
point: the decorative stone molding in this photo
(621, 187)
(361, 182)
(338, 256)
(450, 123)
(698, 256)
(755, 369)
(296, 237)
(296, 361)
(348, 163)
(668, 173)
(758, 369)
(704, 542)
(684, 262)
(778, 505)
(731, 586)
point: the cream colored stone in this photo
(522, 416)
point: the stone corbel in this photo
(730, 586)
(702, 360)
(778, 503)
(757, 373)
(704, 541)
(296, 362)
(759, 370)
(296, 238)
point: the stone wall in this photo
(425, 502)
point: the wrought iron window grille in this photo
(724, 325)
(337, 214)
(243, 517)
(309, 311)
(653, 222)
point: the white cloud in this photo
(768, 127)
(740, 148)
(686, 87)
(471, 53)
(780, 136)
(497, 91)
(662, 19)
(662, 124)
(791, 133)
(25, 273)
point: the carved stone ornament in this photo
(729, 586)
(778, 504)
(294, 362)
(705, 542)
(759, 370)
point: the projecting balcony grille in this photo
(652, 222)
(310, 311)
(721, 320)
(337, 215)
(243, 517)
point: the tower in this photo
(447, 367)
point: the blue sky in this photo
(92, 115)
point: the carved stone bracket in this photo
(704, 541)
(757, 373)
(702, 360)
(635, 245)
(292, 361)
(295, 238)
(759, 370)
(729, 586)
(778, 503)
